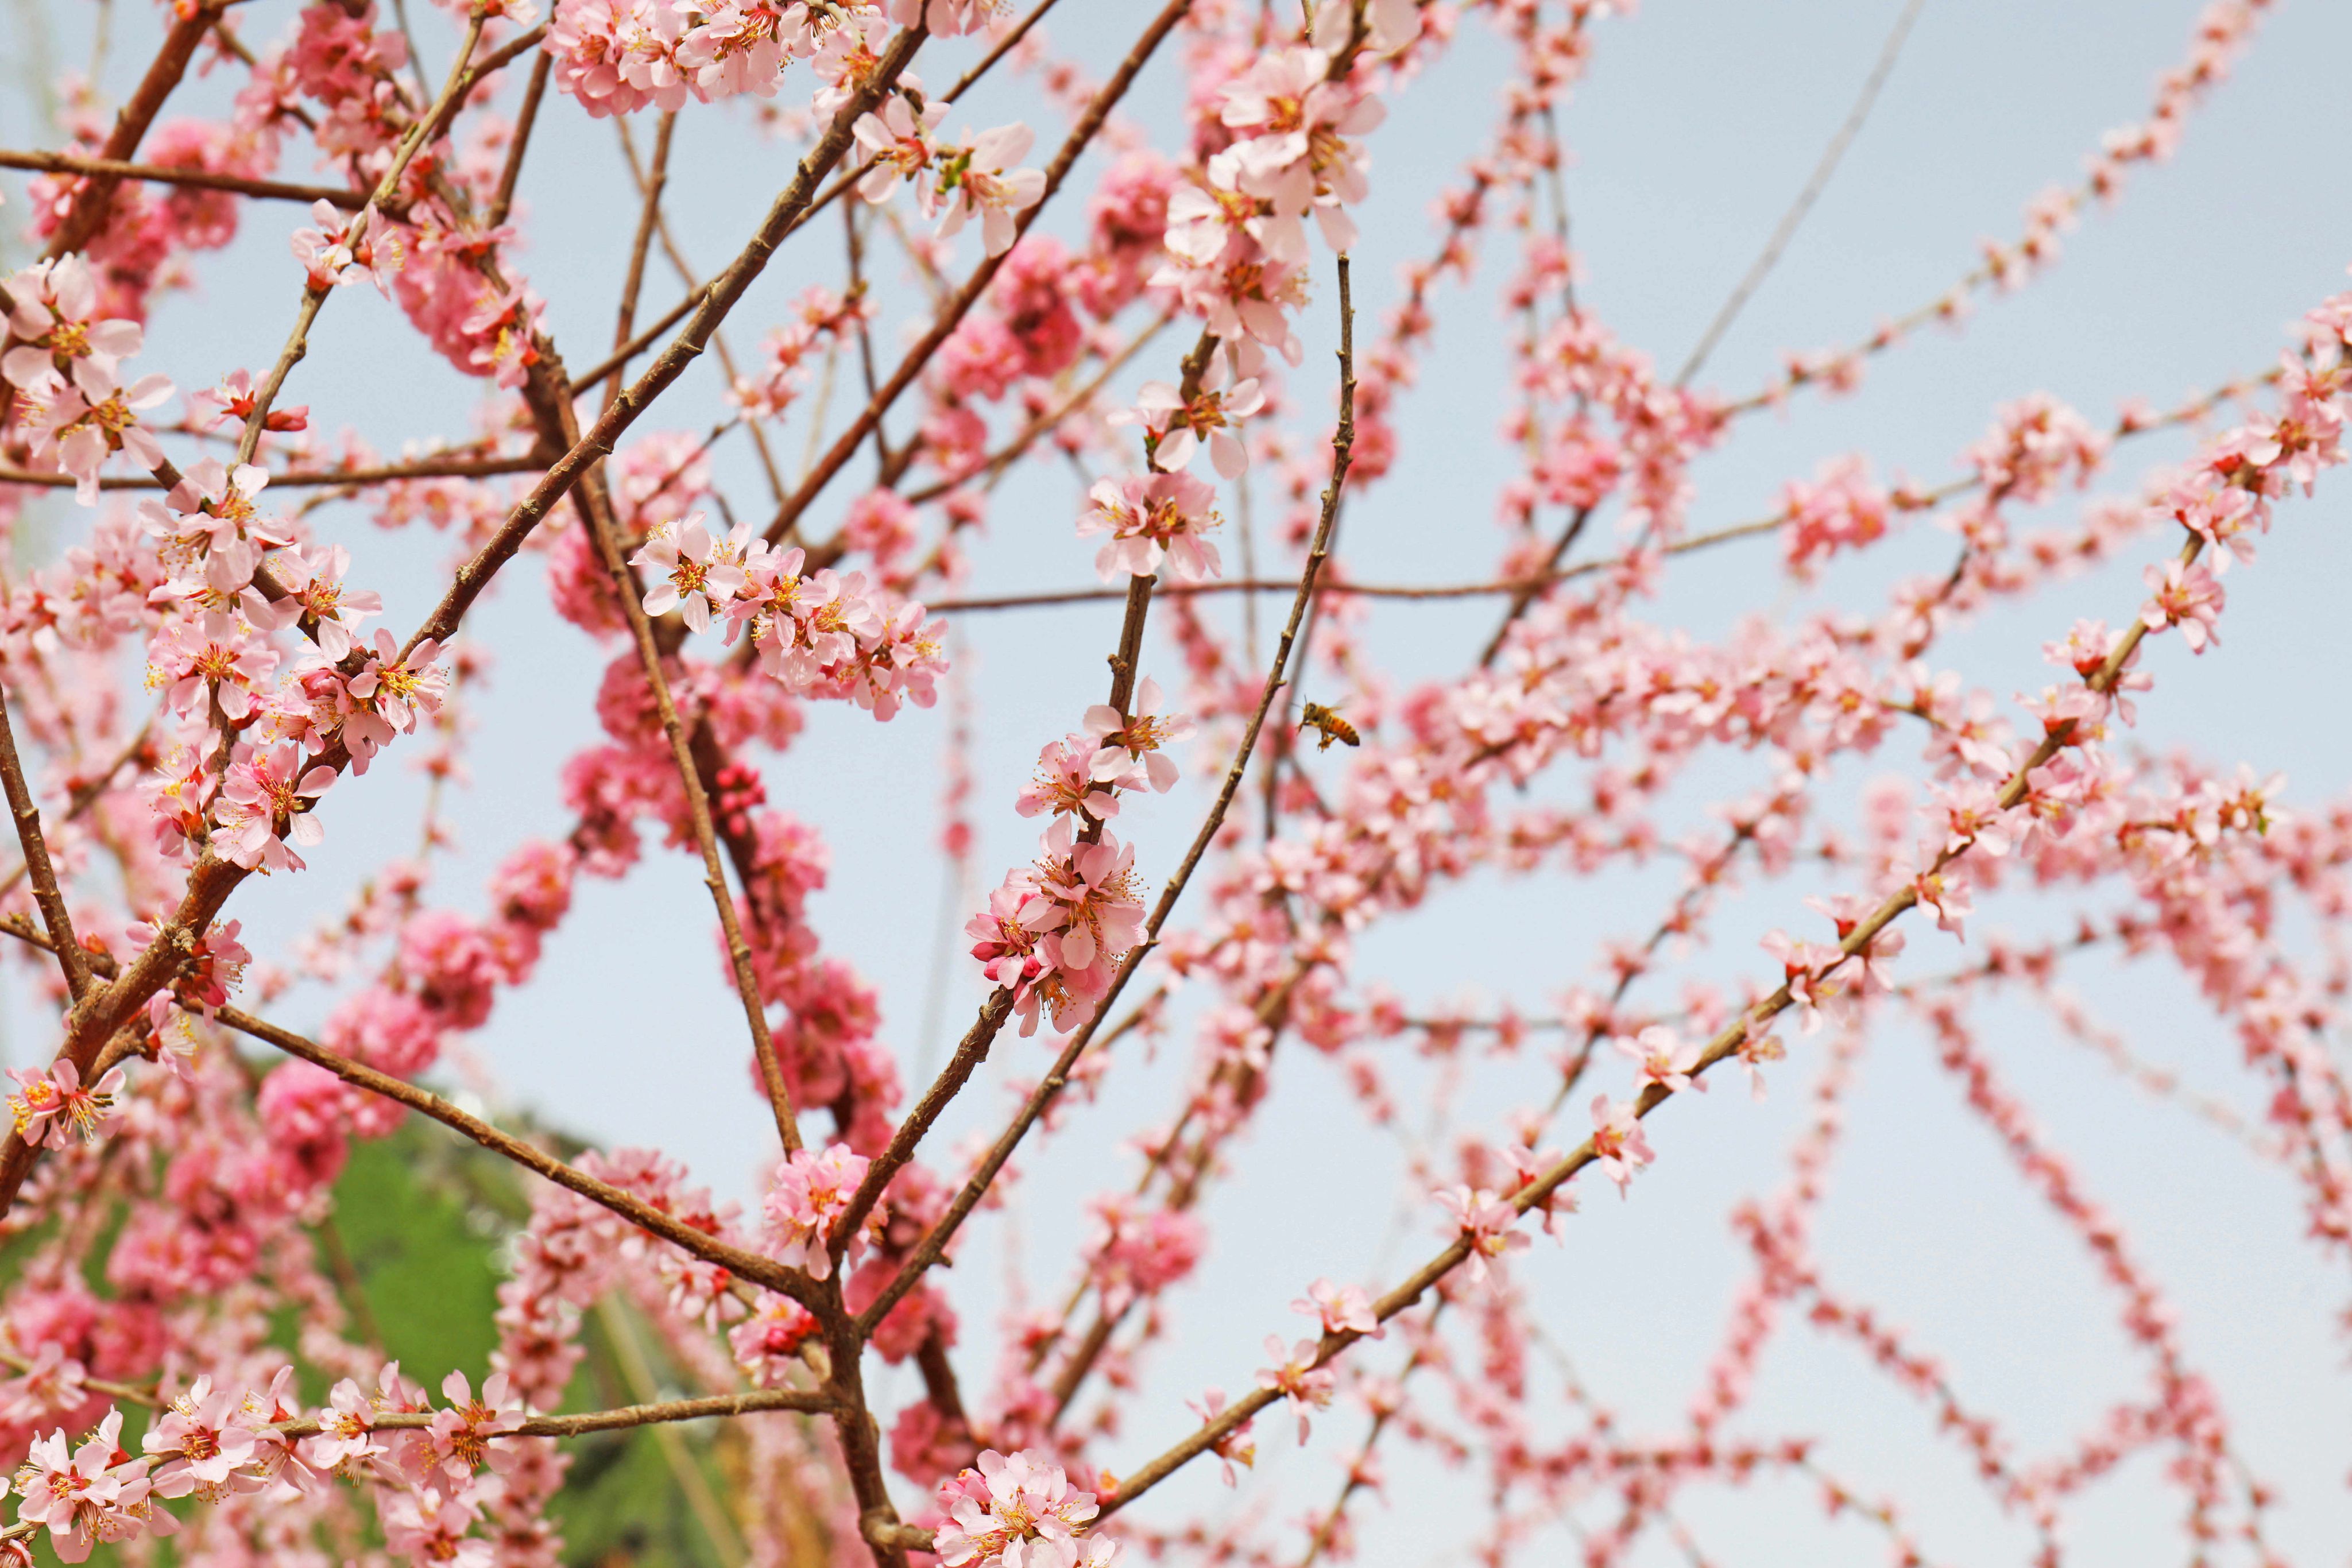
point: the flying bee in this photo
(1332, 726)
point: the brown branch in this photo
(45, 892)
(199, 179)
(212, 879)
(655, 181)
(85, 793)
(421, 469)
(90, 204)
(641, 343)
(935, 1243)
(749, 1266)
(752, 1402)
(719, 298)
(1786, 230)
(600, 520)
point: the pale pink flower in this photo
(1177, 428)
(1297, 1378)
(346, 1431)
(47, 1104)
(1662, 1057)
(1292, 126)
(314, 583)
(51, 1384)
(55, 323)
(1233, 1447)
(979, 178)
(270, 809)
(233, 398)
(431, 1528)
(81, 1496)
(1017, 1511)
(1341, 1308)
(332, 253)
(1085, 902)
(2188, 597)
(1121, 744)
(1617, 1140)
(1803, 967)
(1064, 781)
(691, 572)
(94, 417)
(392, 694)
(200, 1441)
(1151, 518)
(897, 138)
(1487, 1223)
(466, 1434)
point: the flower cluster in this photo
(819, 634)
(1018, 1510)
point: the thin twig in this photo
(45, 893)
(1791, 220)
(197, 179)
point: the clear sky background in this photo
(1697, 125)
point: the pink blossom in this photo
(1233, 1448)
(1151, 518)
(315, 583)
(1617, 1141)
(1176, 428)
(56, 322)
(47, 1104)
(346, 1431)
(82, 1496)
(978, 177)
(811, 1191)
(468, 1435)
(200, 1441)
(1297, 1378)
(1016, 1511)
(898, 140)
(2188, 597)
(1341, 1308)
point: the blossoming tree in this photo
(187, 1360)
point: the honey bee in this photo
(1332, 726)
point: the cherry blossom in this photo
(1618, 1144)
(1152, 518)
(1139, 738)
(690, 571)
(268, 808)
(49, 1104)
(1016, 1511)
(1297, 1378)
(811, 1191)
(978, 178)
